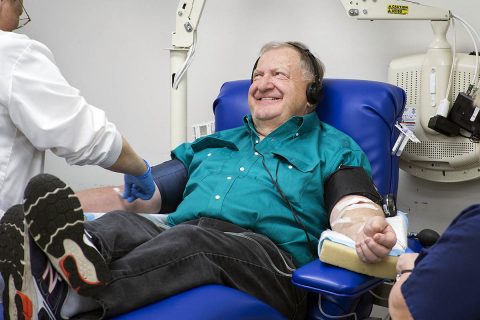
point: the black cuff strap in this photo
(171, 178)
(349, 181)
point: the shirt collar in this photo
(292, 128)
(283, 141)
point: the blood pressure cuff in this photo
(171, 178)
(349, 181)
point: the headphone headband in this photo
(313, 89)
(311, 57)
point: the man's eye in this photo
(256, 76)
(281, 75)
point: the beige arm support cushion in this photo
(345, 257)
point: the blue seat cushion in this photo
(209, 302)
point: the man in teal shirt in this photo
(252, 210)
(230, 170)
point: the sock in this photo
(75, 304)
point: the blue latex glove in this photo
(141, 187)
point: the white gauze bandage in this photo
(341, 209)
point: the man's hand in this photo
(375, 240)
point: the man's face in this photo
(10, 12)
(278, 90)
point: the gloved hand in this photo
(141, 187)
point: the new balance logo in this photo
(53, 277)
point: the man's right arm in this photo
(106, 199)
(170, 179)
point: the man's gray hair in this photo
(305, 61)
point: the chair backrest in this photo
(365, 110)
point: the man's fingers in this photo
(387, 238)
(360, 254)
(377, 249)
(369, 253)
(376, 240)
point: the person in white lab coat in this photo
(40, 111)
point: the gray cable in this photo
(241, 235)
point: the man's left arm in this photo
(353, 204)
(363, 221)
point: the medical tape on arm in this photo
(342, 209)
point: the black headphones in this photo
(314, 89)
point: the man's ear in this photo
(310, 108)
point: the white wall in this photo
(114, 51)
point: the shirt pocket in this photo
(293, 176)
(211, 155)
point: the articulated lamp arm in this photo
(188, 17)
(437, 65)
(183, 47)
(393, 10)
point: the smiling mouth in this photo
(268, 99)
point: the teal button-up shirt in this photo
(228, 181)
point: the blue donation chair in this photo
(367, 111)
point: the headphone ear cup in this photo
(312, 93)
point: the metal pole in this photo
(178, 104)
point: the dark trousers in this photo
(149, 263)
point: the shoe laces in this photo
(53, 277)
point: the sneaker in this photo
(33, 289)
(56, 223)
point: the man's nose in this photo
(265, 83)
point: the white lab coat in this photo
(39, 110)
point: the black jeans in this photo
(149, 263)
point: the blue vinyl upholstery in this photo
(206, 302)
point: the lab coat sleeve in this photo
(53, 115)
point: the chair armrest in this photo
(330, 280)
(327, 279)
